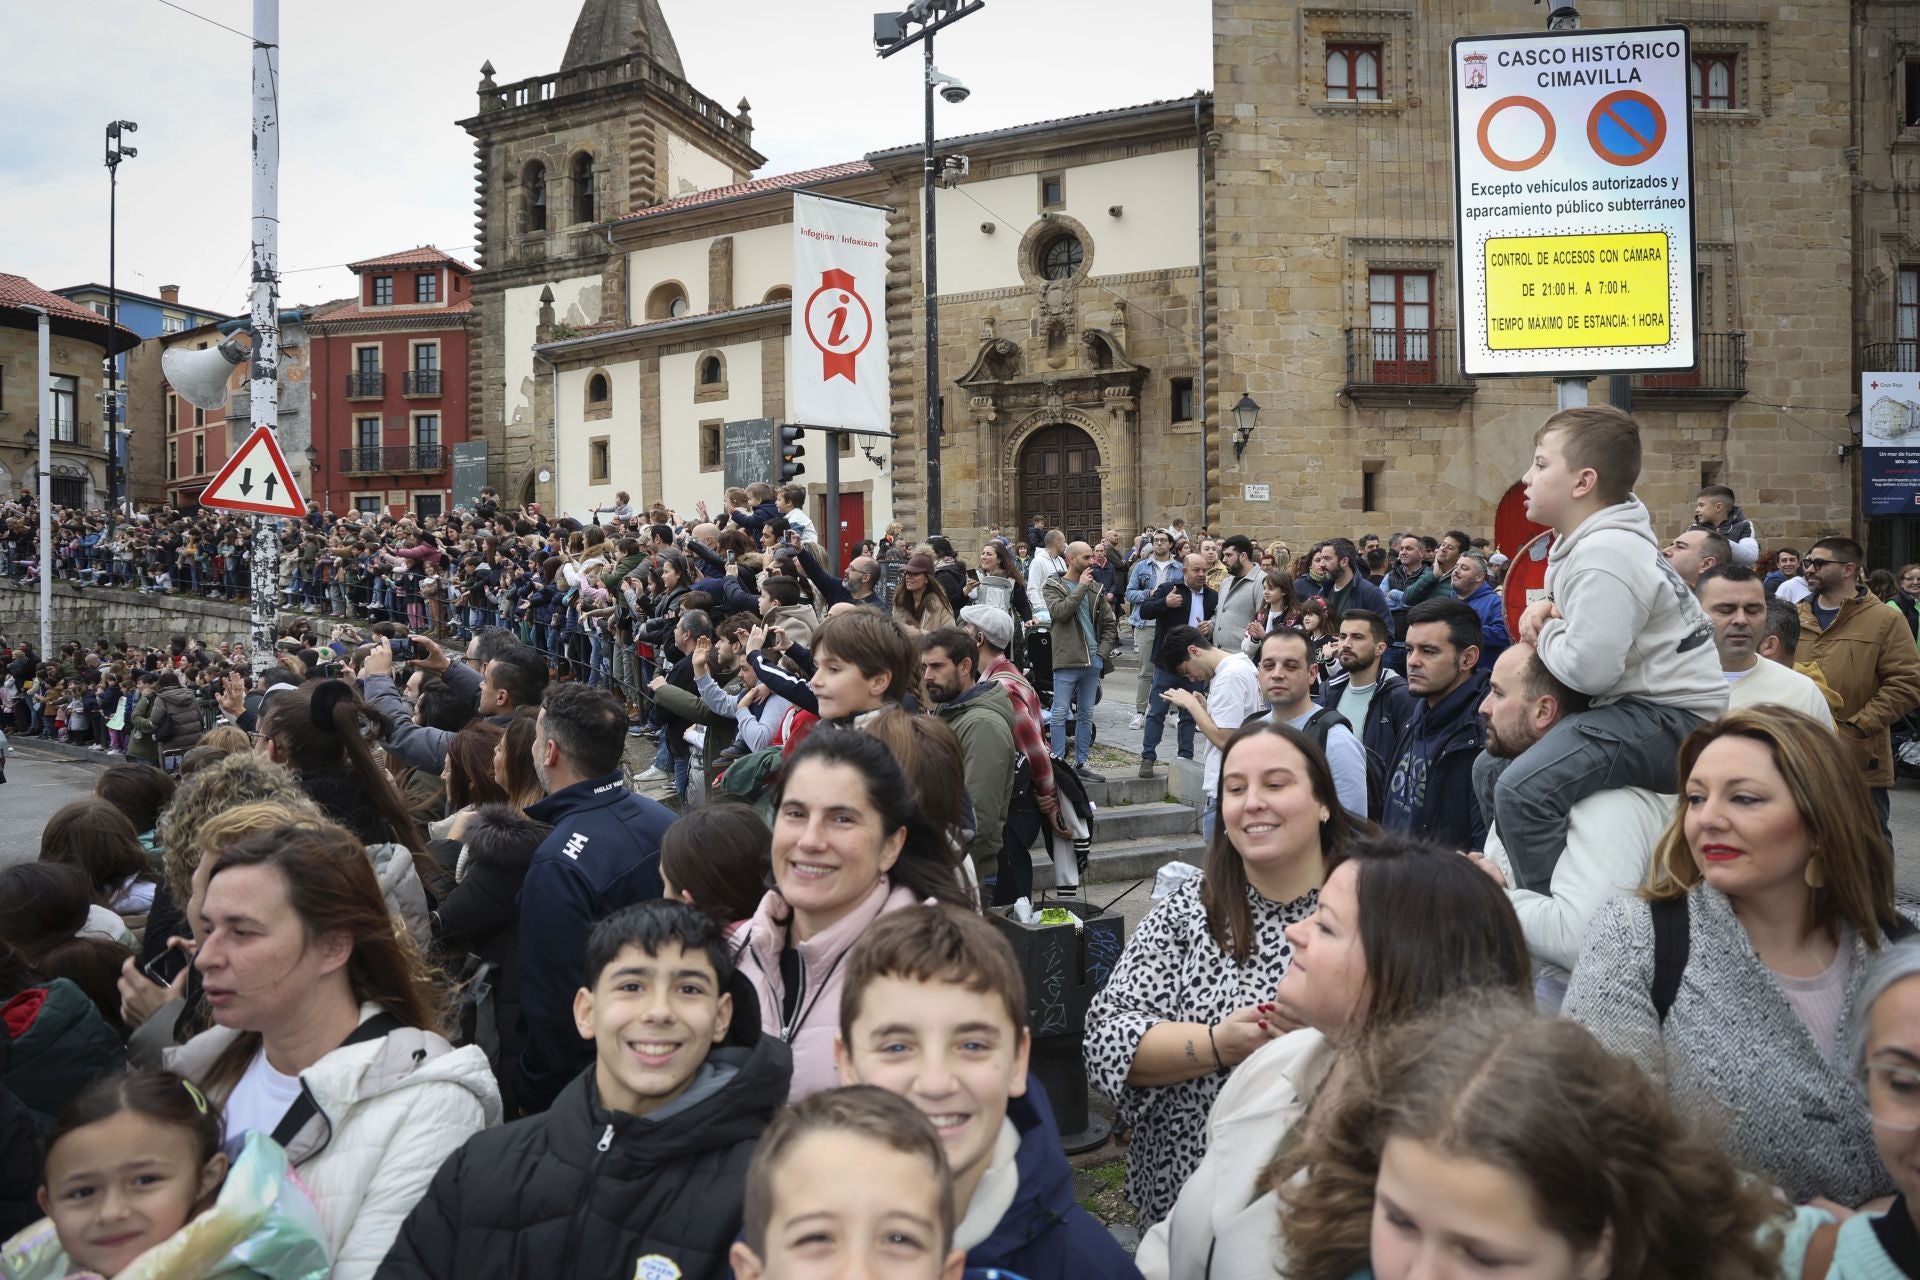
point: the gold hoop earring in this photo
(1816, 878)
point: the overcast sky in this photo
(371, 160)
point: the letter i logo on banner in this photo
(839, 324)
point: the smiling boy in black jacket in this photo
(639, 1168)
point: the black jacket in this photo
(583, 1192)
(482, 915)
(1430, 783)
(604, 854)
(1166, 617)
(1387, 718)
(20, 1156)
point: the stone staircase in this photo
(1136, 831)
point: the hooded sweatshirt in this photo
(59, 1043)
(583, 1191)
(1630, 627)
(1024, 1219)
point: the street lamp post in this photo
(890, 37)
(117, 151)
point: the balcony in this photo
(1719, 376)
(1890, 357)
(1405, 366)
(420, 382)
(392, 460)
(366, 386)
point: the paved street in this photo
(38, 782)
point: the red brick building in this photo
(390, 385)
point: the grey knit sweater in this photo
(1733, 1053)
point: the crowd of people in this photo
(1555, 941)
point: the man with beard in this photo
(1430, 783)
(1610, 834)
(1373, 699)
(1286, 683)
(982, 717)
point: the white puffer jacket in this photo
(390, 1112)
(1219, 1229)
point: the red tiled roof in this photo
(18, 291)
(425, 255)
(421, 317)
(779, 182)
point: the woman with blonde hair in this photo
(1733, 977)
(1485, 1140)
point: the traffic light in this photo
(791, 451)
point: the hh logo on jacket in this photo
(575, 843)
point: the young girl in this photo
(137, 1188)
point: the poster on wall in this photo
(1890, 444)
(839, 358)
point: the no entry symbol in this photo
(1626, 128)
(1497, 155)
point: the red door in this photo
(853, 524)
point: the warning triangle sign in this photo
(256, 479)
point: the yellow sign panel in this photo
(1556, 292)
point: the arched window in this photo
(1061, 256)
(667, 301)
(536, 184)
(597, 389)
(583, 188)
(713, 371)
(779, 293)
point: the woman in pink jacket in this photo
(848, 847)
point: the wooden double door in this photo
(1060, 481)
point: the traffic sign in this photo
(256, 479)
(1573, 201)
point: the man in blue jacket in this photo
(603, 854)
(1430, 782)
(1472, 588)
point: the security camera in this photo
(950, 89)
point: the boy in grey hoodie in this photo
(1619, 625)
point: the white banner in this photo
(839, 314)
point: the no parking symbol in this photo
(1627, 128)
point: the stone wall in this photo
(144, 619)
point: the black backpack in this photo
(1672, 940)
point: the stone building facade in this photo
(1333, 188)
(1112, 284)
(617, 128)
(77, 350)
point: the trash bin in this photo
(1063, 966)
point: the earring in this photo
(1326, 815)
(1816, 878)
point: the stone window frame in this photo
(439, 429)
(1174, 378)
(573, 187)
(527, 203)
(1040, 181)
(660, 300)
(713, 456)
(1392, 29)
(592, 410)
(705, 392)
(1752, 44)
(1039, 235)
(779, 293)
(600, 454)
(1368, 254)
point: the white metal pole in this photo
(263, 376)
(46, 485)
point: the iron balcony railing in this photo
(366, 384)
(421, 382)
(1891, 357)
(1404, 358)
(386, 460)
(1720, 369)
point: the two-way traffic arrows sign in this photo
(256, 479)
